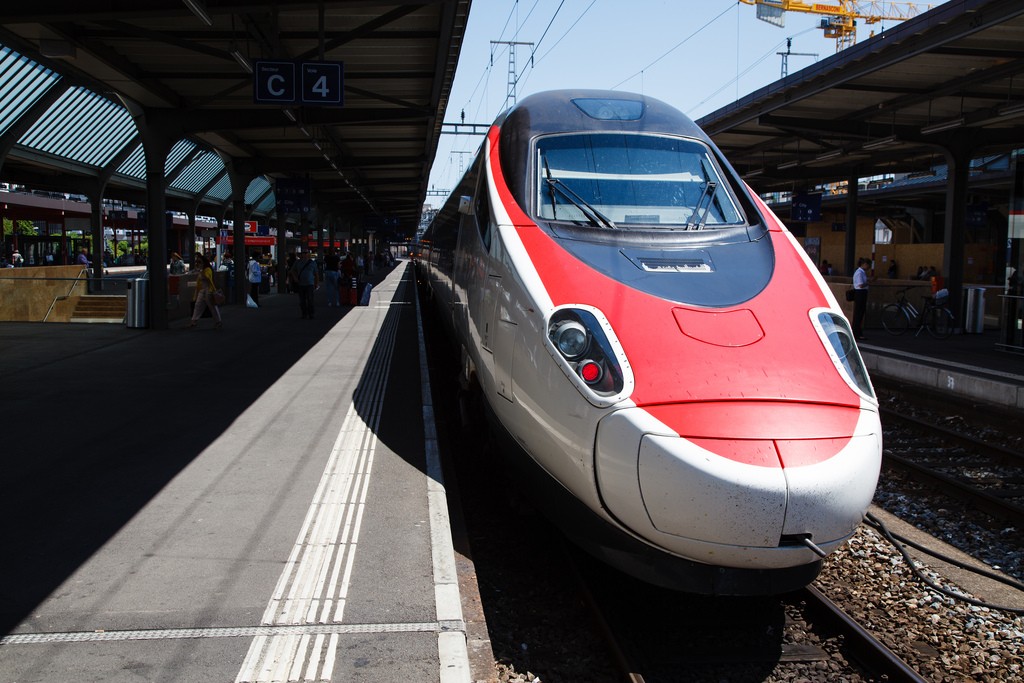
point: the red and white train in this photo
(654, 346)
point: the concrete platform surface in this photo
(260, 502)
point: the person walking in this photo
(860, 297)
(331, 275)
(307, 277)
(177, 265)
(348, 271)
(205, 293)
(255, 275)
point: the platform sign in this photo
(976, 215)
(322, 83)
(302, 83)
(274, 83)
(806, 208)
(250, 227)
(292, 195)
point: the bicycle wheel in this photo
(939, 323)
(894, 319)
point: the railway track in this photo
(655, 636)
(985, 474)
(864, 646)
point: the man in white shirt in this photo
(860, 296)
(255, 276)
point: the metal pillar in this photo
(157, 147)
(958, 156)
(513, 77)
(850, 252)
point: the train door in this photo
(464, 250)
(500, 326)
(483, 315)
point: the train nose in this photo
(740, 487)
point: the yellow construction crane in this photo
(839, 20)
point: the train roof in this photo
(555, 111)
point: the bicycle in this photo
(935, 317)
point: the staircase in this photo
(100, 308)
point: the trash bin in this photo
(974, 310)
(137, 314)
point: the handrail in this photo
(85, 270)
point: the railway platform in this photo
(969, 366)
(254, 503)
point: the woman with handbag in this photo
(206, 293)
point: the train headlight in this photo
(571, 338)
(837, 338)
(582, 342)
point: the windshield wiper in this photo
(551, 190)
(709, 193)
(592, 214)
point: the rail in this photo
(952, 473)
(870, 650)
(74, 283)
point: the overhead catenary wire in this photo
(535, 46)
(482, 81)
(750, 68)
(564, 33)
(488, 68)
(479, 105)
(675, 47)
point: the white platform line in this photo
(326, 543)
(452, 650)
(72, 637)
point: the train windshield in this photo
(612, 180)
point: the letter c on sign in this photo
(278, 91)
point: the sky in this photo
(697, 55)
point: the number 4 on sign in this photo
(322, 83)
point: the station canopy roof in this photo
(951, 78)
(79, 80)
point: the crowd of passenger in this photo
(892, 271)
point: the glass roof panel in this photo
(222, 190)
(182, 148)
(135, 165)
(81, 126)
(199, 173)
(22, 82)
(256, 189)
(268, 205)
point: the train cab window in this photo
(631, 181)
